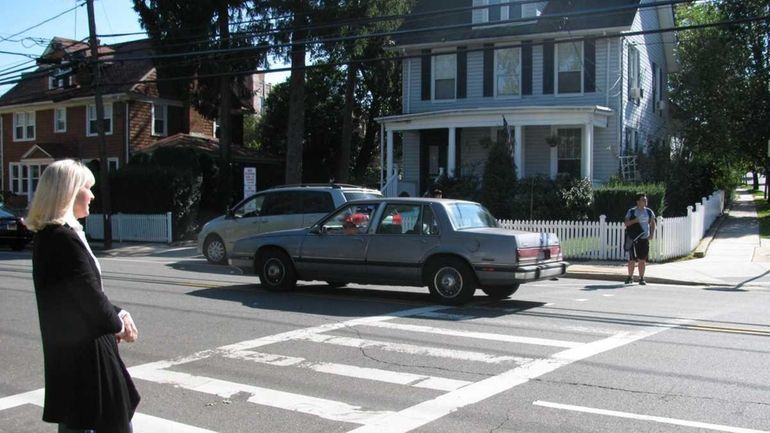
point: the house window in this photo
(215, 128)
(24, 126)
(444, 76)
(113, 164)
(508, 72)
(632, 141)
(91, 129)
(60, 119)
(24, 177)
(569, 61)
(502, 10)
(159, 119)
(59, 78)
(634, 71)
(569, 152)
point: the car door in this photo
(336, 249)
(243, 220)
(404, 235)
(282, 210)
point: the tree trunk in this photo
(755, 178)
(343, 159)
(296, 129)
(369, 142)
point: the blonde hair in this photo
(55, 194)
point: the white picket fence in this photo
(602, 240)
(132, 227)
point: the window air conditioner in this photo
(636, 93)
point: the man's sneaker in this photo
(629, 280)
(642, 282)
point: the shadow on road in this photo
(593, 287)
(204, 267)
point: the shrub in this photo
(465, 187)
(615, 200)
(499, 180)
(540, 198)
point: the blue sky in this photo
(112, 16)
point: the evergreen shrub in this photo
(614, 200)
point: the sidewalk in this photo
(734, 255)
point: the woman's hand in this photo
(130, 332)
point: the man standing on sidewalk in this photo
(640, 227)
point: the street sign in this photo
(249, 181)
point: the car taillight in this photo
(527, 253)
(538, 253)
(555, 251)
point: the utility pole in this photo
(104, 175)
(225, 108)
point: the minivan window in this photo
(317, 202)
(250, 208)
(282, 203)
(350, 196)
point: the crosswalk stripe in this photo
(31, 397)
(328, 409)
(477, 335)
(376, 374)
(413, 349)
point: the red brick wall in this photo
(200, 125)
(140, 125)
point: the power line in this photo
(42, 22)
(415, 56)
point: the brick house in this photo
(50, 114)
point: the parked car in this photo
(279, 208)
(13, 232)
(451, 246)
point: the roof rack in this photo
(332, 185)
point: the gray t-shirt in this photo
(644, 219)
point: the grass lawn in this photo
(763, 212)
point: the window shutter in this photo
(489, 69)
(654, 86)
(462, 72)
(548, 67)
(425, 75)
(589, 65)
(526, 68)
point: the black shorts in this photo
(640, 250)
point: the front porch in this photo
(450, 142)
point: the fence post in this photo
(658, 237)
(169, 238)
(603, 237)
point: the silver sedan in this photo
(451, 246)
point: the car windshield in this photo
(350, 196)
(469, 216)
(5, 213)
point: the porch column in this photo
(587, 163)
(451, 152)
(518, 151)
(389, 156)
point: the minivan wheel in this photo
(500, 292)
(276, 272)
(451, 281)
(214, 250)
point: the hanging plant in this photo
(553, 140)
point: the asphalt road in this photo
(218, 354)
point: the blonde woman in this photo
(87, 386)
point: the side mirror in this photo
(230, 214)
(318, 230)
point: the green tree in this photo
(499, 179)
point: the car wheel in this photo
(276, 272)
(336, 284)
(451, 281)
(214, 250)
(500, 292)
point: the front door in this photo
(434, 144)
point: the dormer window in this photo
(504, 10)
(60, 78)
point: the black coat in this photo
(86, 383)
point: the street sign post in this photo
(249, 181)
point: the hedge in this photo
(615, 200)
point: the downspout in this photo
(128, 132)
(607, 77)
(408, 84)
(621, 41)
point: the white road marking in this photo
(31, 397)
(581, 300)
(376, 374)
(328, 409)
(658, 419)
(477, 335)
(413, 349)
(431, 410)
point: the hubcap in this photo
(216, 251)
(274, 271)
(448, 282)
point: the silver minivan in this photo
(278, 208)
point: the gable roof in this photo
(117, 77)
(461, 27)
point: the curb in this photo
(621, 278)
(700, 251)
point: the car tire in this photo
(276, 271)
(336, 284)
(214, 250)
(451, 281)
(500, 292)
